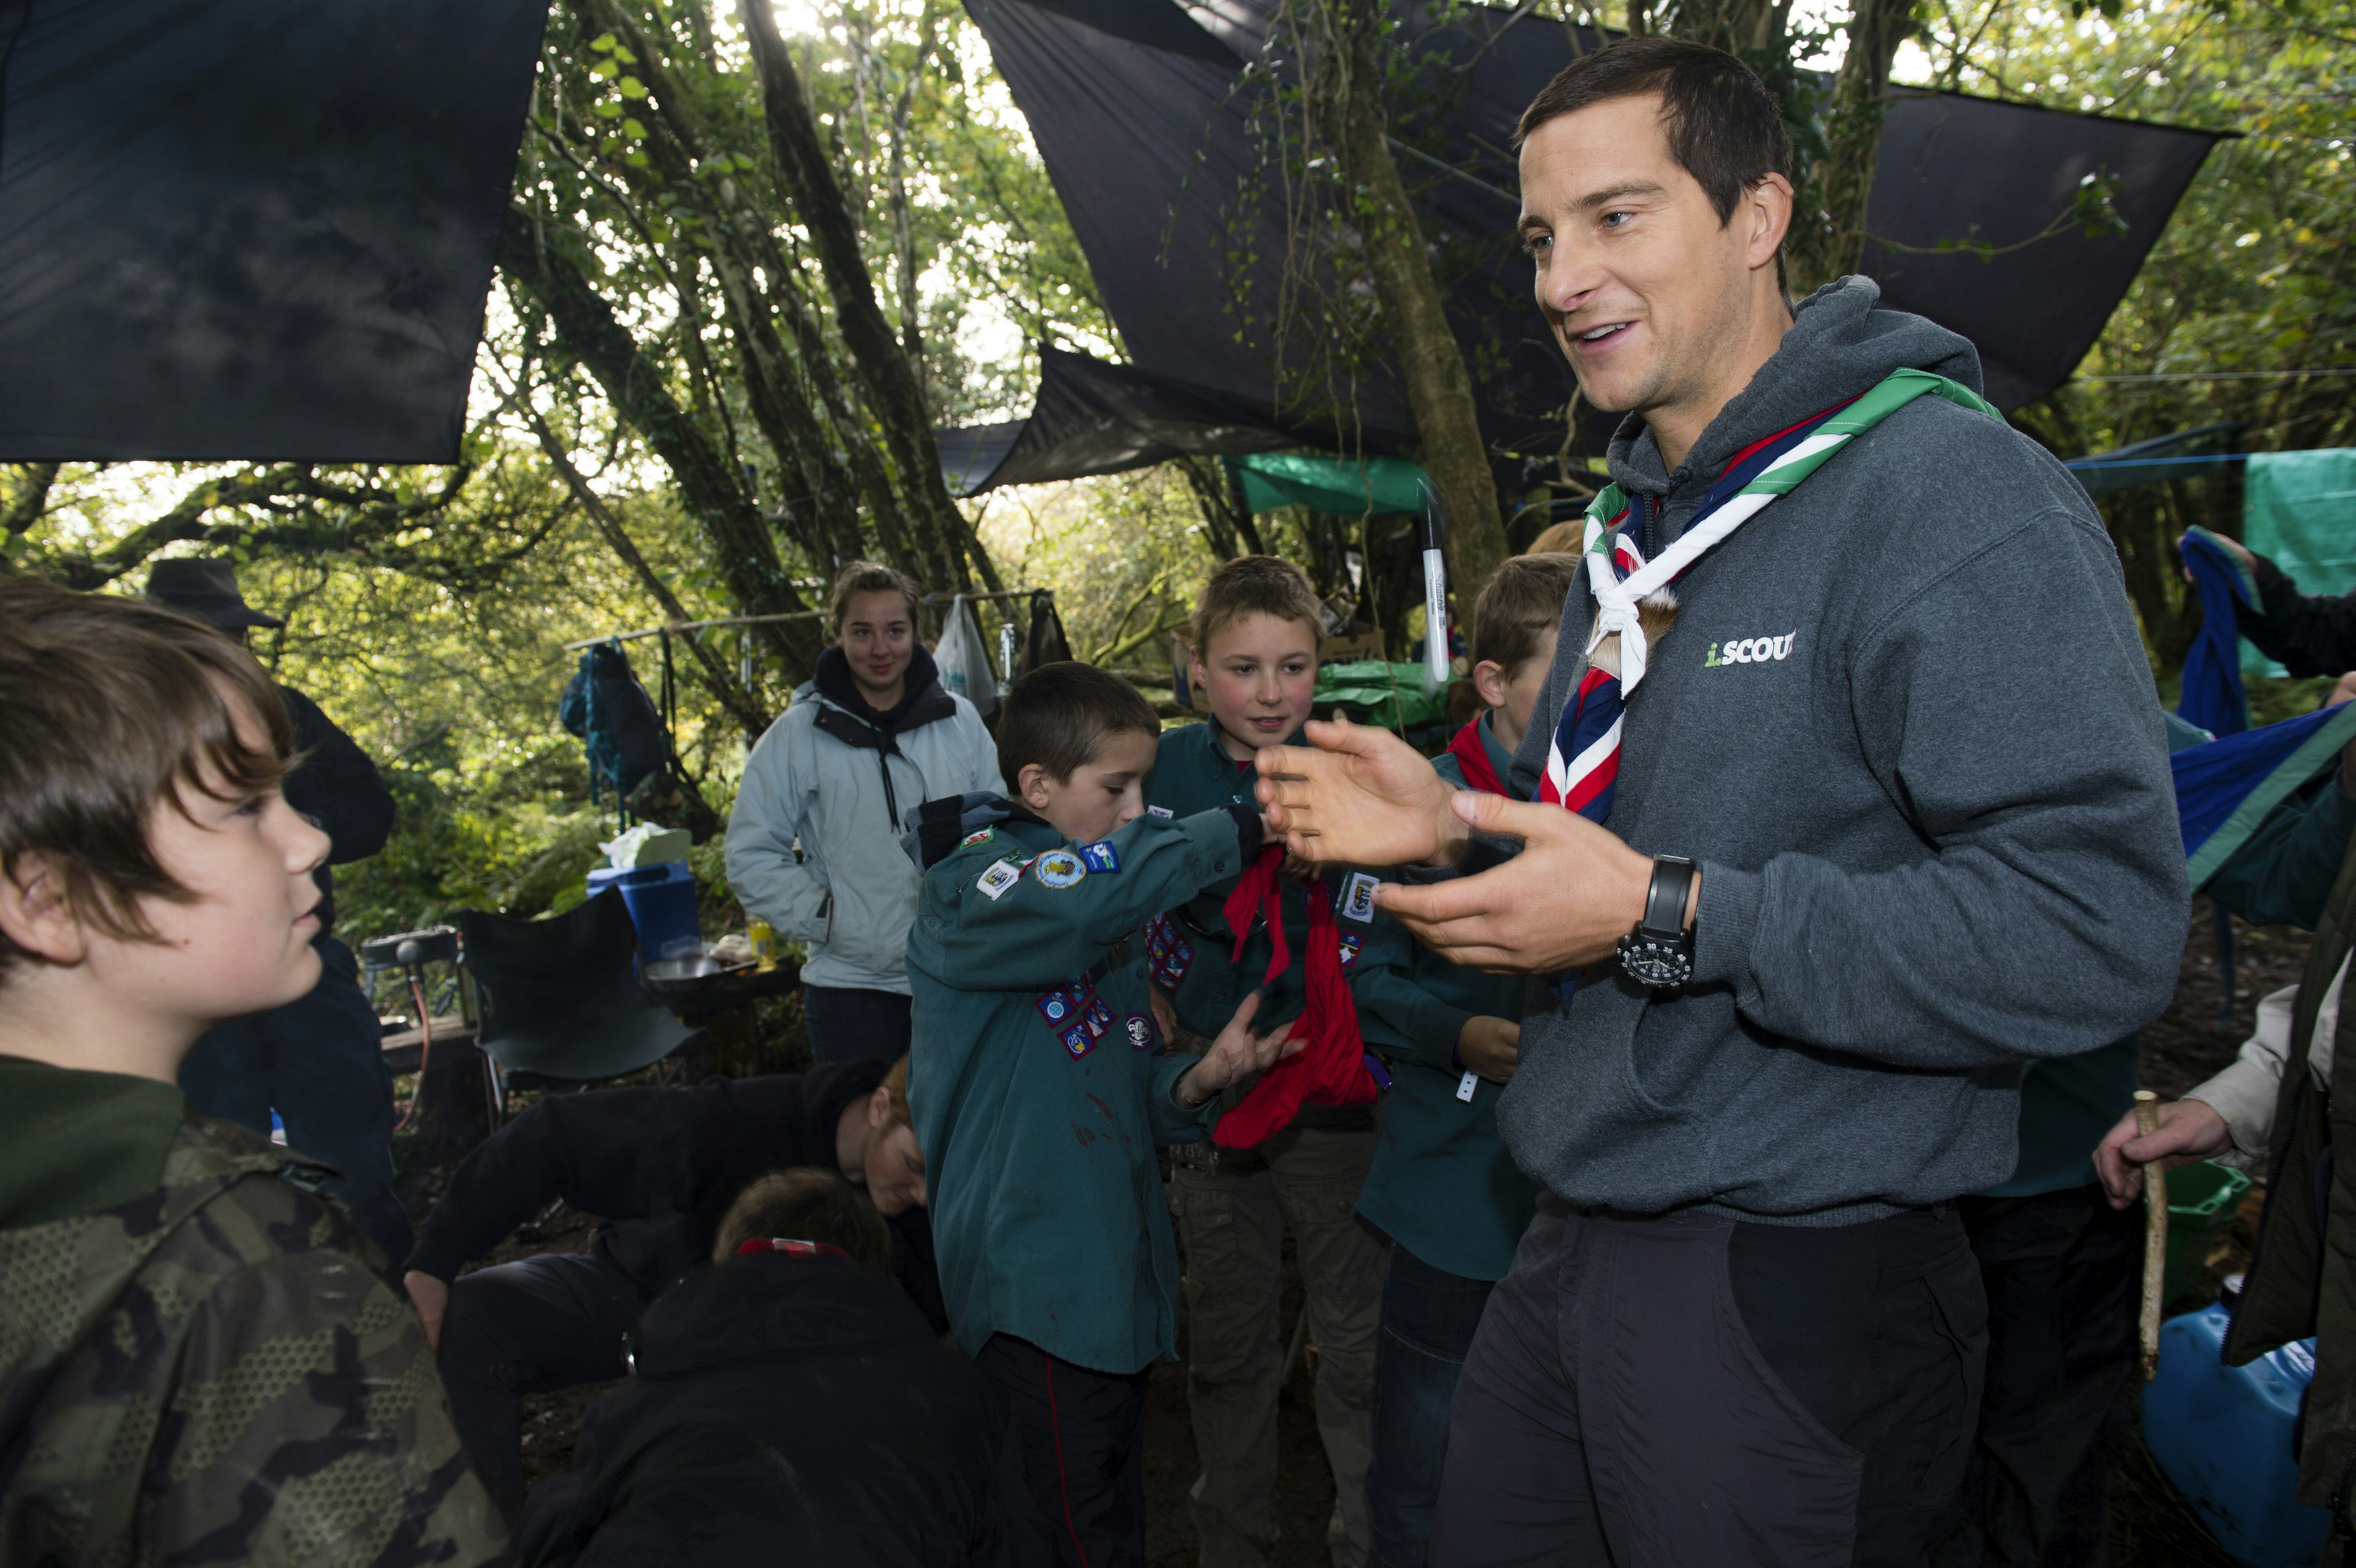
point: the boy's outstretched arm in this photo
(990, 920)
(1186, 1088)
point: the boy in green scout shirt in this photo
(197, 1360)
(1039, 1082)
(1255, 632)
(1443, 1187)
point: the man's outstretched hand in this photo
(1563, 902)
(1358, 795)
(1237, 1054)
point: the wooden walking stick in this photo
(2155, 1233)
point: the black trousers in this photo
(847, 1024)
(532, 1327)
(1082, 1438)
(1668, 1390)
(2060, 1271)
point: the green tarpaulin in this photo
(1390, 695)
(1381, 485)
(2298, 509)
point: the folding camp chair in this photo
(561, 1006)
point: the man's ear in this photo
(879, 1107)
(1489, 680)
(36, 914)
(1767, 211)
(1030, 783)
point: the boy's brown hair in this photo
(870, 577)
(1520, 603)
(1060, 715)
(108, 706)
(806, 1204)
(1566, 538)
(1254, 585)
(897, 1082)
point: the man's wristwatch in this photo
(1659, 951)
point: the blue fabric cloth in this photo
(2212, 695)
(2226, 788)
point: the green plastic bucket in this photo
(2201, 1200)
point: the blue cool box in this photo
(661, 900)
(2223, 1436)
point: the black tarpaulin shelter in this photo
(1141, 114)
(251, 229)
(1955, 168)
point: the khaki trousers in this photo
(1233, 1226)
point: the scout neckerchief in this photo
(1331, 1068)
(790, 1248)
(1471, 754)
(1584, 760)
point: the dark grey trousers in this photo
(1665, 1391)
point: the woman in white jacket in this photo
(870, 736)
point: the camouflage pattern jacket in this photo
(209, 1372)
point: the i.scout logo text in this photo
(1749, 650)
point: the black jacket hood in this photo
(922, 699)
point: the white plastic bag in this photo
(963, 658)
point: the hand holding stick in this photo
(2155, 1236)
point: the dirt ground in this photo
(2152, 1526)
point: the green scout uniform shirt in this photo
(1040, 1084)
(1193, 773)
(1442, 1184)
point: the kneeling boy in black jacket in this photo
(790, 1405)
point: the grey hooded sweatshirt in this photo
(1935, 822)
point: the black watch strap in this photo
(1665, 901)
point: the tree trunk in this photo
(740, 543)
(897, 401)
(1345, 91)
(741, 243)
(741, 704)
(1830, 244)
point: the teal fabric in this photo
(2298, 509)
(1379, 486)
(1048, 1219)
(1442, 1184)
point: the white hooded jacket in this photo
(826, 774)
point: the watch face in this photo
(1656, 964)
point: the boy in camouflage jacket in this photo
(197, 1362)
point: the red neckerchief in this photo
(1471, 754)
(1330, 1069)
(790, 1248)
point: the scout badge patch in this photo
(1358, 897)
(1078, 1039)
(1158, 811)
(1003, 874)
(1170, 954)
(1060, 869)
(1350, 940)
(982, 837)
(1100, 856)
(1140, 1031)
(1055, 1007)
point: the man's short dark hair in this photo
(1060, 715)
(1723, 124)
(806, 1204)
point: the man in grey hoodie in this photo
(1829, 839)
